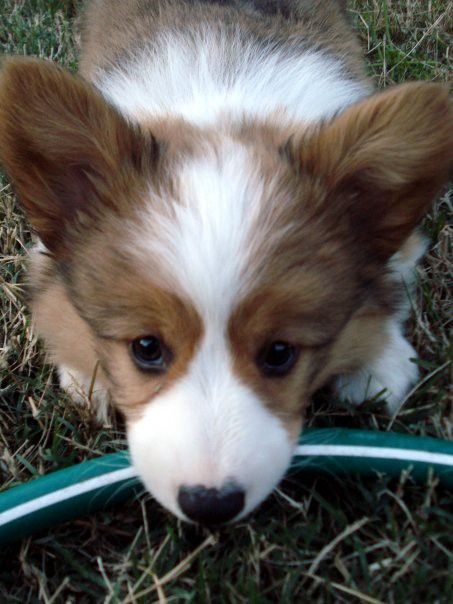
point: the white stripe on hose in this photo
(92, 484)
(110, 478)
(376, 452)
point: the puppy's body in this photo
(244, 200)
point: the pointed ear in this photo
(61, 144)
(385, 158)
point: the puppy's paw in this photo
(390, 375)
(83, 391)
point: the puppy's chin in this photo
(183, 439)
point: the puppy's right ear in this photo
(62, 145)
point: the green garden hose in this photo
(97, 483)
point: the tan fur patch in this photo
(178, 327)
(69, 339)
(145, 310)
(329, 345)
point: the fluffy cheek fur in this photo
(189, 437)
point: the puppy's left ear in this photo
(383, 161)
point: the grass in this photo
(316, 539)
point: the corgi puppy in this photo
(226, 214)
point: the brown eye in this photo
(148, 354)
(277, 359)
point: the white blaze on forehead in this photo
(205, 245)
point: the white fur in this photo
(209, 429)
(206, 245)
(390, 375)
(203, 77)
(403, 267)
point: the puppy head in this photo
(224, 277)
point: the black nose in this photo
(211, 506)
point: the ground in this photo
(317, 539)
